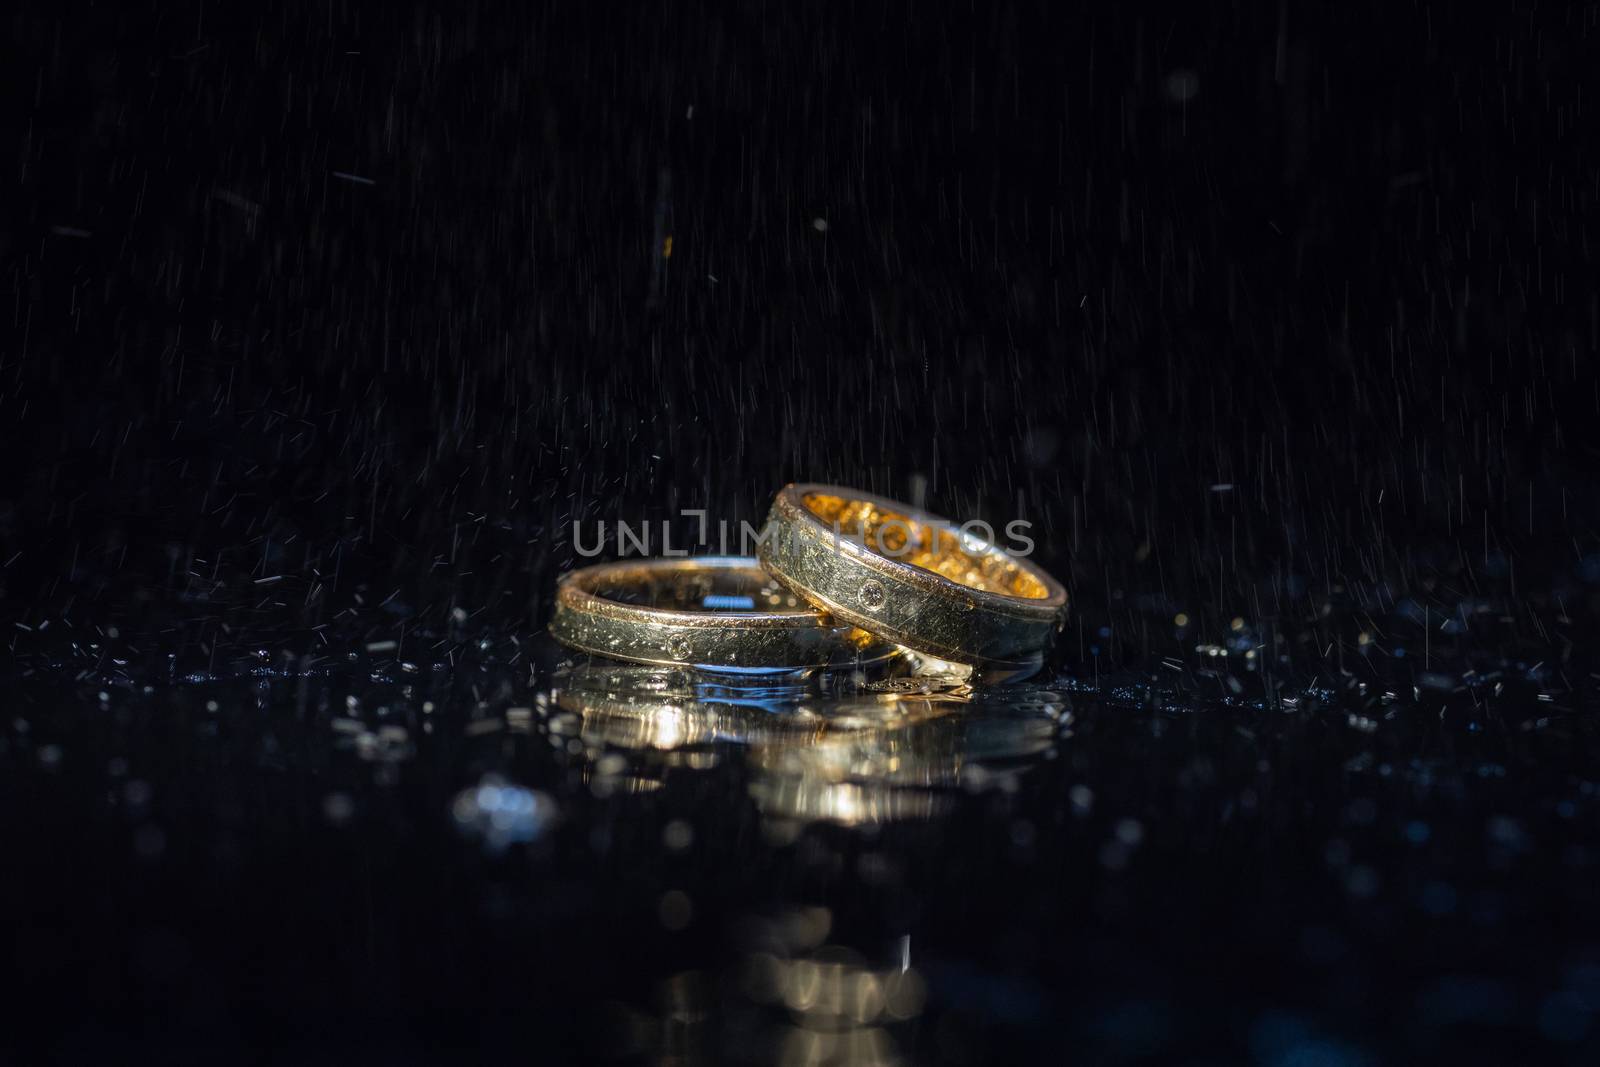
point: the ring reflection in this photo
(836, 747)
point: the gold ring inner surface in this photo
(695, 586)
(937, 548)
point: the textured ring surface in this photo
(721, 612)
(910, 577)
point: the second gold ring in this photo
(910, 576)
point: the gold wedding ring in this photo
(722, 612)
(910, 577)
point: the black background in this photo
(1249, 308)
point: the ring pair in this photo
(842, 577)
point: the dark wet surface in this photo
(1386, 847)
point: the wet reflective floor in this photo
(461, 838)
